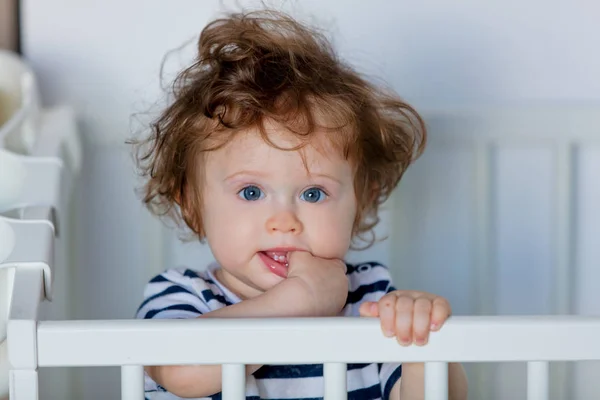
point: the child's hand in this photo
(408, 315)
(324, 281)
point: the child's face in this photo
(258, 199)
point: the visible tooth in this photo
(279, 258)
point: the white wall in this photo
(104, 57)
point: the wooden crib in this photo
(36, 343)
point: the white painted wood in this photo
(27, 293)
(484, 268)
(564, 239)
(524, 252)
(564, 209)
(22, 318)
(538, 380)
(6, 288)
(515, 125)
(132, 382)
(23, 385)
(233, 381)
(584, 376)
(27, 181)
(45, 243)
(436, 381)
(34, 249)
(335, 381)
(258, 341)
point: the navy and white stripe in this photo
(185, 293)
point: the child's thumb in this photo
(369, 309)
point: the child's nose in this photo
(284, 222)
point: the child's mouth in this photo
(276, 261)
(279, 256)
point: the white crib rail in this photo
(330, 341)
(315, 340)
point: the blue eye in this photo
(250, 193)
(313, 195)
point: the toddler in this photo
(278, 155)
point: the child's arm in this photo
(411, 385)
(409, 316)
(315, 287)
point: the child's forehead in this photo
(252, 143)
(250, 148)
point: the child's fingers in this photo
(387, 314)
(369, 309)
(404, 320)
(440, 313)
(422, 320)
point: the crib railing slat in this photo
(233, 381)
(538, 380)
(483, 230)
(132, 382)
(436, 381)
(566, 262)
(564, 193)
(334, 375)
(23, 385)
(483, 240)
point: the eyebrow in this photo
(262, 175)
(251, 173)
(327, 177)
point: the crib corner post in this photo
(23, 385)
(22, 356)
(22, 333)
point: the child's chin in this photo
(269, 281)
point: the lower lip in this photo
(274, 266)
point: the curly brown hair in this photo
(264, 65)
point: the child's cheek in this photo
(330, 234)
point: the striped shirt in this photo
(184, 293)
